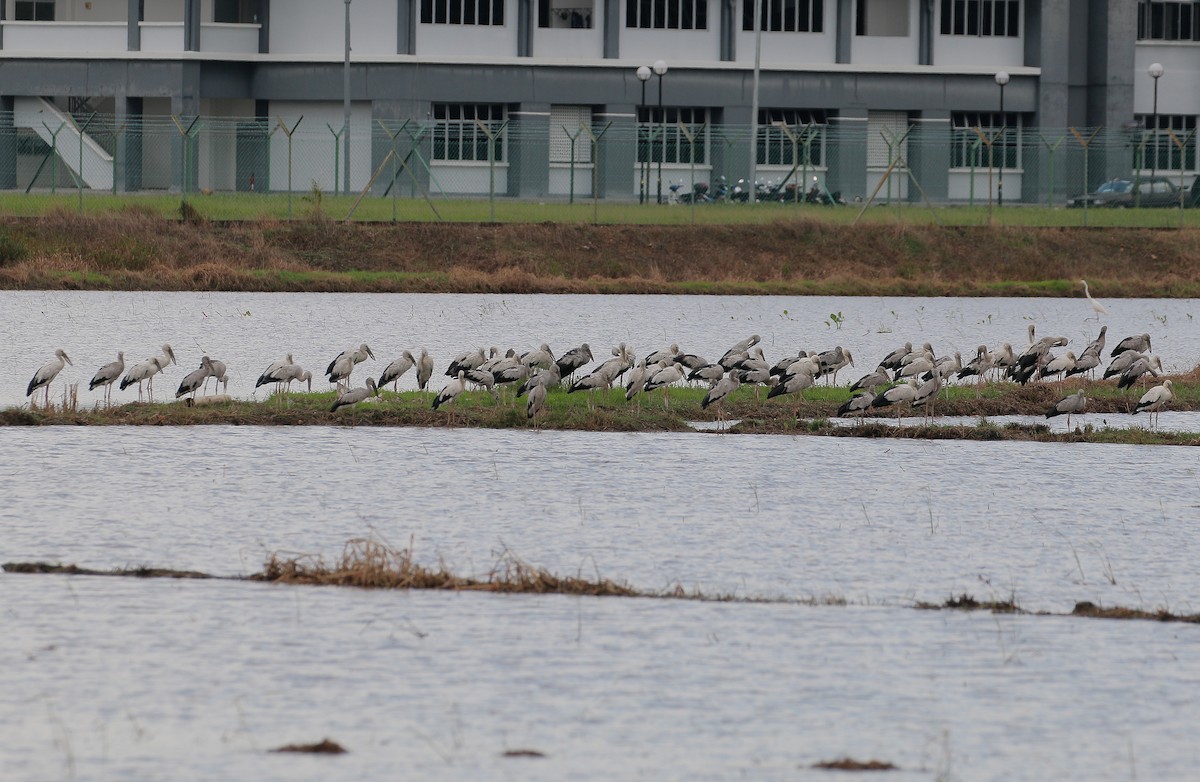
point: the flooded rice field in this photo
(249, 331)
(114, 679)
(123, 678)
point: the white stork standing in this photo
(1154, 400)
(1069, 405)
(395, 370)
(726, 386)
(424, 370)
(46, 374)
(897, 395)
(193, 380)
(141, 372)
(353, 396)
(1097, 307)
(535, 402)
(450, 393)
(107, 375)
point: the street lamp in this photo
(643, 74)
(346, 107)
(1001, 79)
(1155, 70)
(660, 69)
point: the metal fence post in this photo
(79, 173)
(578, 133)
(337, 156)
(289, 133)
(595, 137)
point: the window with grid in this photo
(462, 12)
(667, 141)
(565, 14)
(667, 14)
(981, 17)
(785, 16)
(1168, 20)
(567, 122)
(33, 11)
(786, 135)
(967, 150)
(1161, 151)
(457, 134)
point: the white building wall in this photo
(987, 51)
(888, 49)
(465, 40)
(566, 43)
(218, 142)
(317, 27)
(671, 45)
(788, 48)
(313, 145)
(79, 11)
(1178, 87)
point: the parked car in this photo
(1145, 191)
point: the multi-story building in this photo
(852, 74)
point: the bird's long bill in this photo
(67, 358)
(171, 355)
(369, 353)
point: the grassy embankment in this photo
(611, 413)
(369, 563)
(796, 253)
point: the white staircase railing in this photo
(44, 118)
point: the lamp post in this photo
(346, 107)
(1155, 70)
(643, 74)
(1002, 80)
(660, 69)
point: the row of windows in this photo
(1168, 20)
(969, 150)
(667, 14)
(787, 137)
(981, 17)
(872, 17)
(1162, 152)
(485, 12)
(785, 16)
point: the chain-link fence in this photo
(290, 166)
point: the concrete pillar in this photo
(844, 20)
(8, 144)
(1112, 35)
(406, 27)
(731, 150)
(617, 154)
(191, 25)
(127, 172)
(929, 156)
(612, 29)
(529, 150)
(925, 32)
(3, 4)
(729, 26)
(135, 12)
(263, 15)
(525, 19)
(846, 154)
(185, 107)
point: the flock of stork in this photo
(909, 377)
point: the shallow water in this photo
(198, 680)
(115, 679)
(248, 331)
(865, 520)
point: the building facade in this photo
(857, 79)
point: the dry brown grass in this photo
(965, 602)
(850, 764)
(137, 249)
(1086, 608)
(322, 747)
(368, 563)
